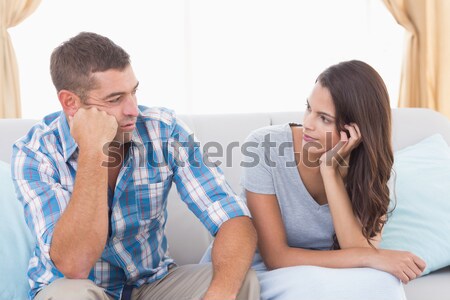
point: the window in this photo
(209, 56)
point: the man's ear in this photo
(70, 102)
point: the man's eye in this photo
(115, 100)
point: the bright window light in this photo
(209, 56)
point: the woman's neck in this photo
(308, 159)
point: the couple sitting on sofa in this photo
(94, 178)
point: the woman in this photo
(319, 196)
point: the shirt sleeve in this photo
(257, 175)
(42, 196)
(200, 183)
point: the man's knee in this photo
(250, 287)
(72, 289)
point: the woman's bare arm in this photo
(276, 253)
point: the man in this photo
(94, 180)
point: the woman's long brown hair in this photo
(360, 96)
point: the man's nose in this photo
(130, 106)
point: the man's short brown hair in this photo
(73, 63)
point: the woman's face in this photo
(319, 123)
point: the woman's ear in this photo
(70, 102)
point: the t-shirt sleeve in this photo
(257, 167)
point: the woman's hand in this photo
(402, 264)
(339, 155)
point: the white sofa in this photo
(187, 237)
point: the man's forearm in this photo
(81, 232)
(232, 254)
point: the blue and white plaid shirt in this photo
(44, 168)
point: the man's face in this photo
(115, 93)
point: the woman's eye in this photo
(325, 120)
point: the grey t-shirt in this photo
(269, 167)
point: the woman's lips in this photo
(307, 138)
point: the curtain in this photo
(425, 78)
(12, 12)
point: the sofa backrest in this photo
(187, 237)
(410, 125)
(10, 131)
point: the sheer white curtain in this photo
(210, 56)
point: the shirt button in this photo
(130, 268)
(115, 239)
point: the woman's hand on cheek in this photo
(339, 155)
